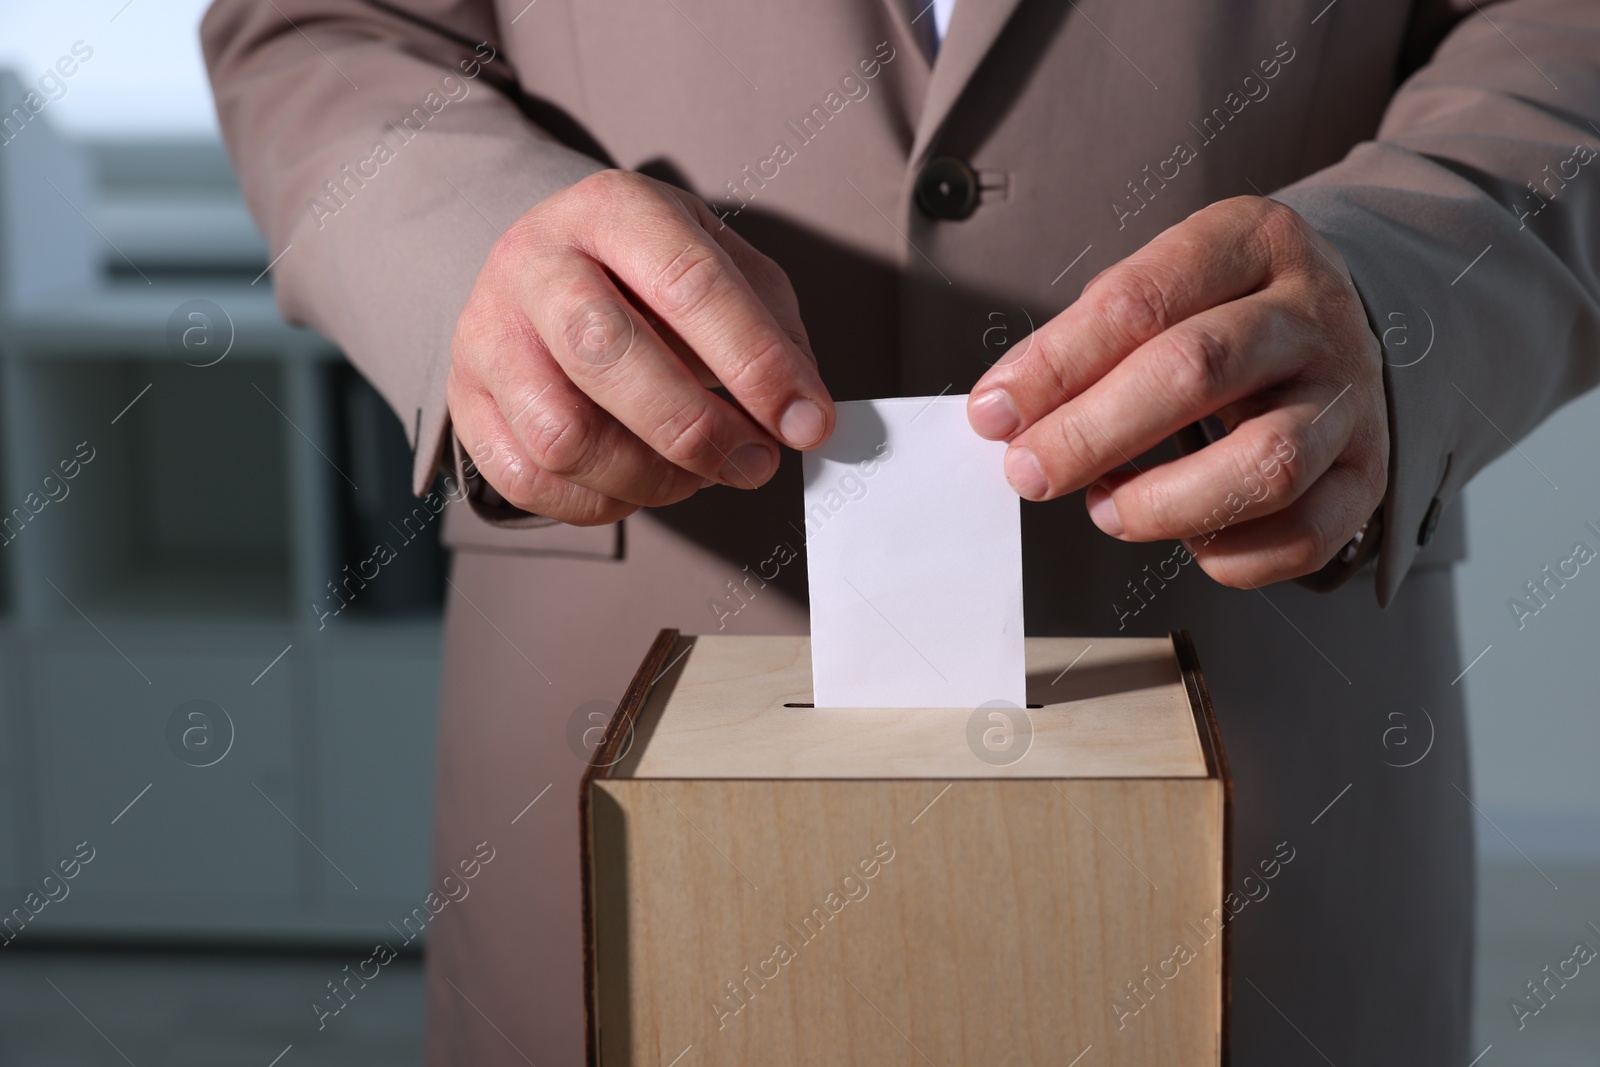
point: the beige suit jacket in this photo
(1443, 148)
(1415, 137)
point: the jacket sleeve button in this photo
(1430, 522)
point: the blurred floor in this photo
(183, 1010)
(202, 1010)
(1524, 924)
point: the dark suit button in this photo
(1430, 523)
(947, 189)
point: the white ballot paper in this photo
(914, 546)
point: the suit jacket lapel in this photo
(974, 27)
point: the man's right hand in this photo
(582, 366)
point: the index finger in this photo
(679, 271)
(1218, 254)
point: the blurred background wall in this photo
(253, 777)
(225, 733)
(1534, 712)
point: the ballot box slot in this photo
(1034, 707)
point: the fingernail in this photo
(749, 466)
(993, 415)
(801, 424)
(1103, 510)
(707, 483)
(1025, 474)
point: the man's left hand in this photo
(1240, 311)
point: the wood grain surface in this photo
(1002, 931)
(1111, 708)
(782, 885)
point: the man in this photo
(536, 229)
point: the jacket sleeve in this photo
(1471, 225)
(382, 149)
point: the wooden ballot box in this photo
(772, 883)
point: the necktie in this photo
(930, 19)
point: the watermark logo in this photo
(1400, 348)
(752, 179)
(852, 887)
(452, 890)
(340, 191)
(200, 733)
(590, 727)
(999, 733)
(1548, 983)
(1542, 589)
(822, 504)
(50, 86)
(1001, 336)
(200, 333)
(1398, 741)
(606, 336)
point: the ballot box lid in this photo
(738, 707)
